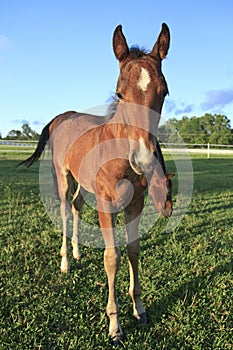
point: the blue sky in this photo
(57, 55)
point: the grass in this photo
(186, 275)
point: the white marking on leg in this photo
(144, 79)
(64, 264)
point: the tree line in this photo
(210, 128)
(26, 133)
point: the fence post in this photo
(208, 150)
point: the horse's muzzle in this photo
(166, 212)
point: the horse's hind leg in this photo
(76, 207)
(132, 217)
(64, 183)
(55, 185)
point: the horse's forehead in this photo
(141, 71)
(145, 62)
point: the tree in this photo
(215, 129)
(191, 131)
(26, 134)
(14, 134)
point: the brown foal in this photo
(115, 157)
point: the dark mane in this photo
(111, 110)
(135, 52)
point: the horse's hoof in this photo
(117, 341)
(64, 270)
(143, 319)
(77, 256)
(64, 265)
(76, 252)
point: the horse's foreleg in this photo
(111, 264)
(132, 217)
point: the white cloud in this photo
(171, 107)
(217, 98)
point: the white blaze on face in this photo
(144, 79)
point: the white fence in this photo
(198, 148)
(207, 149)
(11, 146)
(18, 143)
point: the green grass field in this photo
(186, 275)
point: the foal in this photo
(116, 158)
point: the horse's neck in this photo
(137, 116)
(117, 125)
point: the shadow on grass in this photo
(194, 324)
(194, 286)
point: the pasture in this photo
(186, 275)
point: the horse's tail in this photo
(44, 137)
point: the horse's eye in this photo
(119, 96)
(164, 93)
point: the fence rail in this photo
(197, 148)
(19, 143)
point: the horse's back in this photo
(56, 122)
(68, 128)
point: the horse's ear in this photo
(169, 176)
(161, 46)
(120, 46)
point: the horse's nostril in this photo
(166, 213)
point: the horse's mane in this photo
(113, 102)
(136, 52)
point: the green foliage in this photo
(215, 129)
(186, 275)
(25, 134)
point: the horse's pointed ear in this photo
(161, 46)
(169, 176)
(120, 46)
